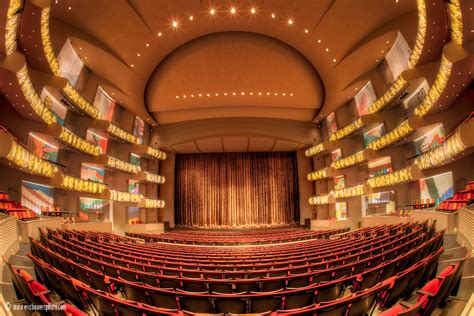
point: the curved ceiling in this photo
(234, 74)
(124, 42)
(148, 54)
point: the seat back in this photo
(231, 304)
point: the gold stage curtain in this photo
(236, 190)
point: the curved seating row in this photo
(372, 250)
(236, 237)
(255, 280)
(235, 303)
(265, 254)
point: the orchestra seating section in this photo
(460, 198)
(197, 237)
(351, 273)
(14, 208)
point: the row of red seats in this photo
(432, 293)
(347, 250)
(225, 238)
(460, 199)
(277, 278)
(226, 253)
(36, 294)
(14, 208)
(253, 302)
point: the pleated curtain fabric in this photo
(236, 190)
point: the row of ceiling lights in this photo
(184, 96)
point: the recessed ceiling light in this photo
(253, 11)
(175, 24)
(159, 34)
(242, 93)
(184, 96)
(290, 22)
(192, 95)
(273, 15)
(251, 93)
(85, 57)
(319, 41)
(283, 94)
(147, 45)
(268, 93)
(387, 42)
(132, 65)
(199, 95)
(233, 10)
(306, 31)
(80, 48)
(233, 93)
(327, 49)
(217, 94)
(191, 18)
(138, 54)
(259, 93)
(177, 97)
(291, 94)
(212, 11)
(208, 95)
(225, 93)
(69, 8)
(334, 60)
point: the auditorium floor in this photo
(452, 253)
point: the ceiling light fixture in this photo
(175, 24)
(159, 34)
(334, 60)
(306, 31)
(191, 18)
(290, 22)
(147, 45)
(273, 15)
(327, 49)
(212, 11)
(138, 55)
(319, 41)
(253, 10)
(233, 10)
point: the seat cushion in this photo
(447, 271)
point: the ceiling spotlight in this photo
(242, 93)
(192, 95)
(69, 8)
(327, 49)
(253, 11)
(159, 34)
(217, 94)
(80, 48)
(212, 11)
(208, 95)
(306, 31)
(199, 95)
(259, 93)
(147, 45)
(233, 93)
(138, 55)
(175, 24)
(225, 93)
(177, 97)
(319, 41)
(334, 60)
(191, 18)
(290, 22)
(251, 93)
(132, 65)
(291, 94)
(283, 94)
(273, 15)
(184, 96)
(268, 93)
(233, 10)
(276, 93)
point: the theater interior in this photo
(236, 157)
